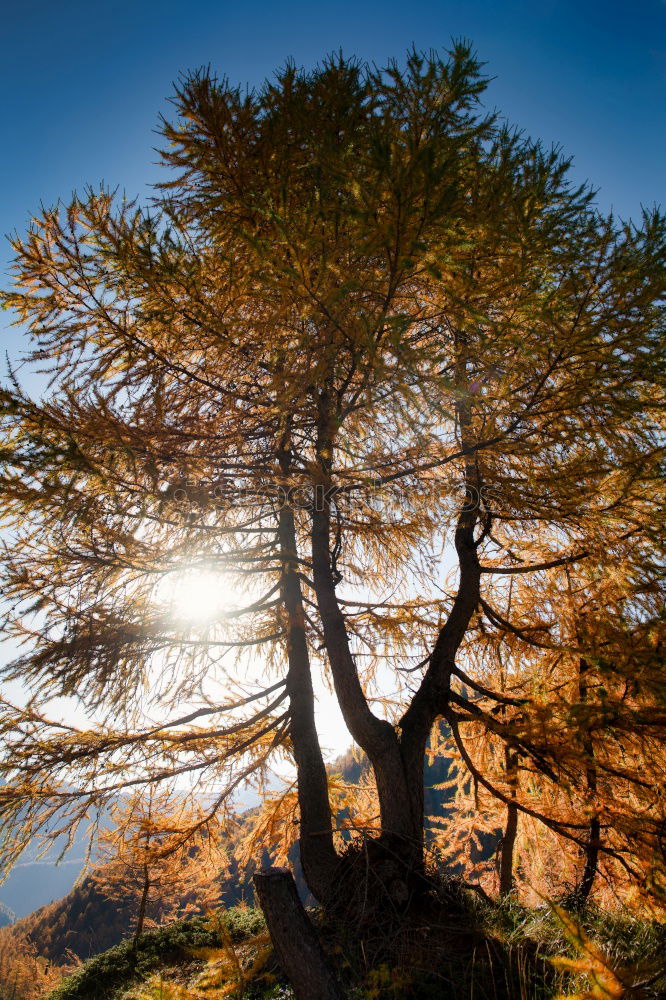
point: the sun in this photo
(196, 595)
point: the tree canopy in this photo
(374, 363)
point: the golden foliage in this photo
(166, 854)
(607, 982)
(226, 972)
(24, 975)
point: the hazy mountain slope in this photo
(33, 883)
(7, 916)
(84, 922)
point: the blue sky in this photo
(83, 82)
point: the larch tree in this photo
(372, 363)
(145, 857)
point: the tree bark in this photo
(432, 697)
(510, 831)
(318, 855)
(375, 736)
(295, 940)
(584, 888)
(397, 761)
(591, 863)
(143, 904)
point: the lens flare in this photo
(196, 595)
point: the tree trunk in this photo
(591, 863)
(510, 831)
(294, 938)
(506, 856)
(397, 761)
(434, 693)
(318, 855)
(143, 904)
(584, 888)
(433, 696)
(376, 736)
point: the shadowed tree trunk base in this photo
(578, 899)
(379, 882)
(294, 938)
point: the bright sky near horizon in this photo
(82, 85)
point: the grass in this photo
(626, 953)
(457, 947)
(105, 976)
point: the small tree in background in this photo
(145, 856)
(24, 975)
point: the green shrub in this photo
(102, 976)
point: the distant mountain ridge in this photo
(7, 916)
(35, 882)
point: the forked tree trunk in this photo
(295, 940)
(376, 736)
(397, 760)
(434, 695)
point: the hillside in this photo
(490, 951)
(457, 949)
(85, 922)
(37, 881)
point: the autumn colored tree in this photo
(145, 856)
(595, 703)
(373, 362)
(24, 975)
